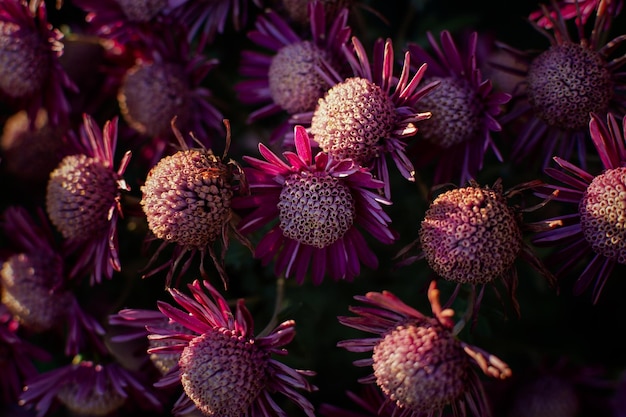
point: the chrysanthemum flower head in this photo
(33, 286)
(417, 361)
(576, 9)
(464, 109)
(166, 82)
(562, 85)
(369, 115)
(31, 74)
(597, 228)
(473, 235)
(187, 200)
(286, 80)
(83, 199)
(315, 206)
(224, 369)
(88, 388)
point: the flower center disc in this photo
(421, 366)
(223, 373)
(456, 113)
(97, 401)
(352, 119)
(315, 210)
(186, 198)
(80, 194)
(141, 10)
(566, 83)
(294, 84)
(470, 235)
(603, 214)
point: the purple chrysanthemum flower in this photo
(224, 369)
(166, 82)
(286, 81)
(597, 228)
(417, 361)
(473, 236)
(316, 204)
(206, 18)
(31, 74)
(464, 109)
(33, 287)
(132, 324)
(576, 9)
(83, 199)
(88, 388)
(16, 358)
(187, 200)
(371, 114)
(561, 86)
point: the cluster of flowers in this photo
(348, 126)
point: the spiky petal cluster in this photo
(378, 118)
(224, 369)
(595, 231)
(576, 9)
(83, 199)
(417, 361)
(464, 108)
(316, 204)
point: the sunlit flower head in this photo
(167, 82)
(206, 18)
(187, 200)
(17, 358)
(31, 75)
(576, 9)
(285, 80)
(224, 369)
(562, 85)
(464, 109)
(33, 285)
(371, 114)
(417, 361)
(595, 232)
(83, 199)
(315, 206)
(88, 388)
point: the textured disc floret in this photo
(141, 10)
(294, 84)
(457, 112)
(316, 209)
(96, 401)
(24, 60)
(80, 194)
(352, 119)
(186, 198)
(25, 285)
(566, 83)
(421, 366)
(603, 214)
(470, 235)
(151, 95)
(223, 372)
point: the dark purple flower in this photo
(371, 402)
(464, 109)
(595, 232)
(224, 369)
(417, 361)
(371, 114)
(31, 74)
(298, 10)
(286, 80)
(88, 388)
(562, 85)
(83, 200)
(33, 285)
(576, 9)
(315, 206)
(187, 200)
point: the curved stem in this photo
(280, 293)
